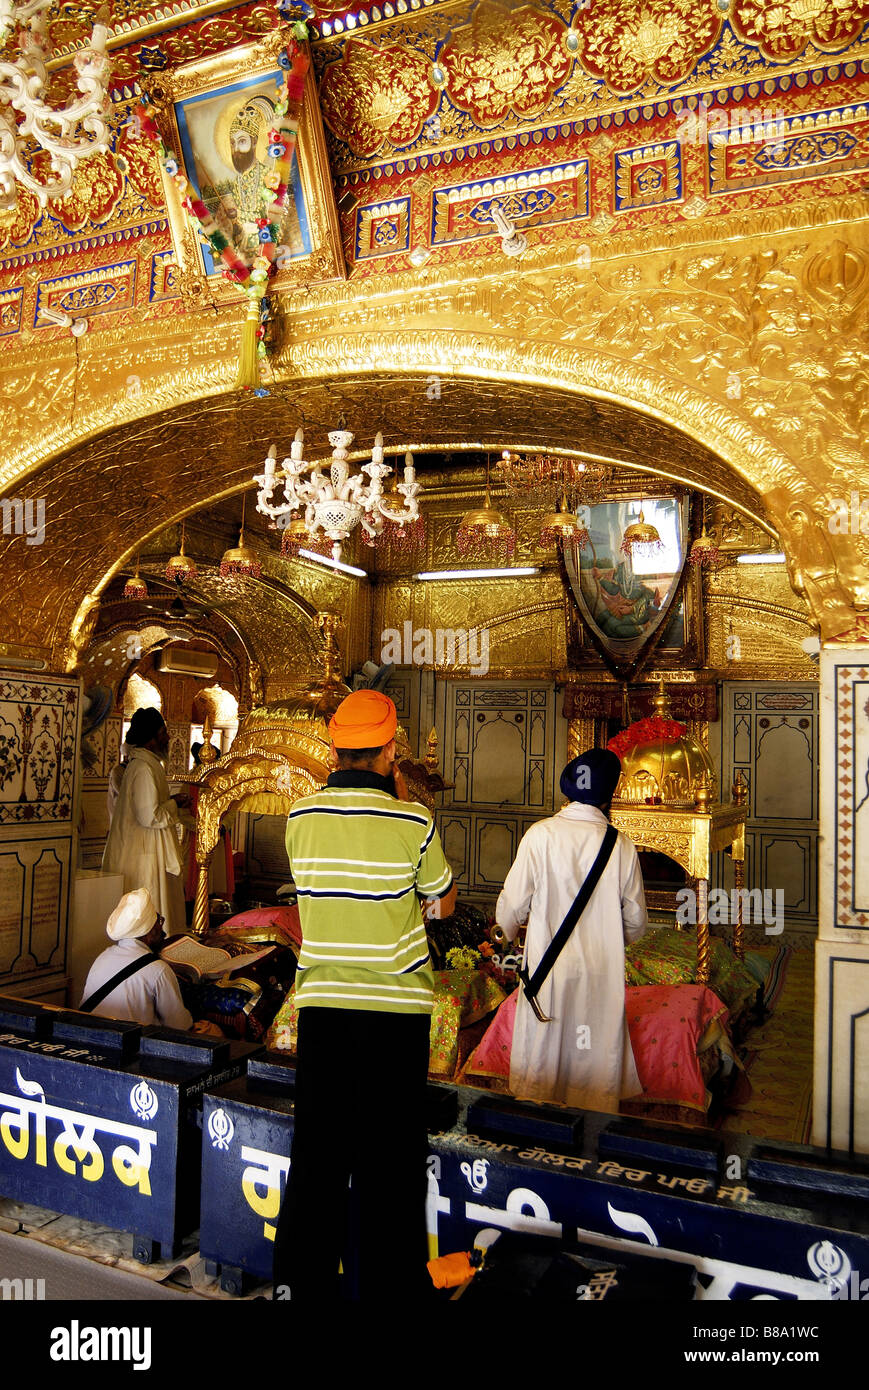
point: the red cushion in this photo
(285, 919)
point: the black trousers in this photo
(359, 1119)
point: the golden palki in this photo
(335, 503)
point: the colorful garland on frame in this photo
(254, 278)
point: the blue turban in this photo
(592, 777)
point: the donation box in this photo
(102, 1119)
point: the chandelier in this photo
(393, 536)
(335, 503)
(296, 537)
(641, 537)
(241, 559)
(705, 551)
(136, 588)
(484, 533)
(549, 478)
(67, 133)
(562, 527)
(180, 567)
(400, 538)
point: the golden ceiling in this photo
(717, 337)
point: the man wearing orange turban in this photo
(362, 855)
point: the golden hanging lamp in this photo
(562, 527)
(180, 567)
(241, 559)
(705, 551)
(136, 588)
(484, 532)
(296, 537)
(641, 537)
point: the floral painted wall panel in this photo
(40, 731)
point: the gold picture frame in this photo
(197, 108)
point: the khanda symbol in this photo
(220, 1129)
(829, 1263)
(476, 1175)
(144, 1101)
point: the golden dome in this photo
(663, 770)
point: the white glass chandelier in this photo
(68, 133)
(335, 503)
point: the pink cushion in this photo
(284, 919)
(492, 1056)
(666, 1024)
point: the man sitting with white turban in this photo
(141, 987)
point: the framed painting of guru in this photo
(215, 114)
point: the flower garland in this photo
(651, 730)
(282, 143)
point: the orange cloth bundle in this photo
(448, 1271)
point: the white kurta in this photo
(145, 835)
(583, 1058)
(151, 995)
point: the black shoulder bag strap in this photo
(88, 1005)
(559, 941)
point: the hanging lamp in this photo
(394, 533)
(705, 551)
(562, 527)
(641, 537)
(136, 588)
(486, 533)
(241, 559)
(295, 536)
(180, 567)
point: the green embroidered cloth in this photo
(667, 957)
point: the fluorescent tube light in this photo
(333, 564)
(479, 574)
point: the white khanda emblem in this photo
(476, 1175)
(220, 1129)
(143, 1101)
(829, 1264)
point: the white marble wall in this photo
(841, 1090)
(770, 733)
(504, 744)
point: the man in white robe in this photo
(583, 1058)
(145, 837)
(152, 994)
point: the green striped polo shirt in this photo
(359, 857)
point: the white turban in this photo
(134, 916)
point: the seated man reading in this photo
(129, 980)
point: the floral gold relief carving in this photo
(782, 31)
(377, 94)
(626, 44)
(505, 60)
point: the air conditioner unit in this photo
(183, 661)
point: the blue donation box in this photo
(102, 1120)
